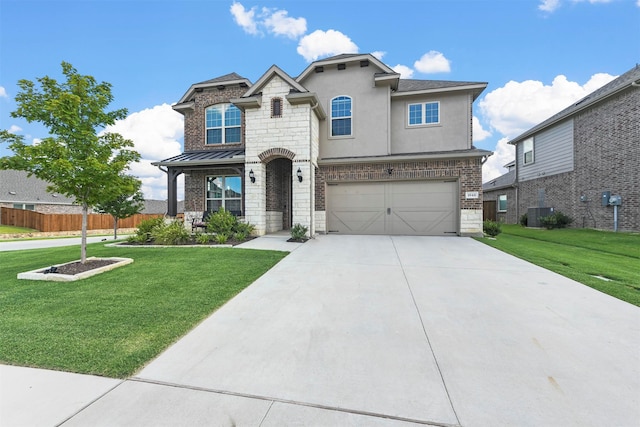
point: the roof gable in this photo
(384, 69)
(226, 80)
(266, 77)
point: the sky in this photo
(537, 56)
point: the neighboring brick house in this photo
(499, 195)
(345, 147)
(19, 191)
(584, 154)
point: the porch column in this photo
(172, 191)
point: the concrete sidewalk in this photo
(387, 331)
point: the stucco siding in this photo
(370, 111)
(452, 133)
(553, 153)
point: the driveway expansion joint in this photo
(292, 402)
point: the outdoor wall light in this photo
(252, 176)
(299, 174)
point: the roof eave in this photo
(205, 85)
(210, 162)
(308, 98)
(475, 88)
(473, 153)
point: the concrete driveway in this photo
(395, 331)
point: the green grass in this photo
(113, 323)
(10, 229)
(579, 254)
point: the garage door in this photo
(425, 208)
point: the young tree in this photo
(124, 205)
(75, 159)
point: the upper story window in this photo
(276, 107)
(427, 113)
(223, 124)
(341, 116)
(527, 151)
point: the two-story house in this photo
(576, 160)
(346, 147)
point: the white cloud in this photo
(36, 141)
(518, 106)
(280, 24)
(479, 133)
(433, 62)
(404, 71)
(494, 166)
(378, 54)
(245, 18)
(3, 91)
(14, 129)
(156, 133)
(638, 3)
(325, 43)
(549, 5)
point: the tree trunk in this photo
(83, 243)
(115, 228)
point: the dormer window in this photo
(223, 124)
(276, 107)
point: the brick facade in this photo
(511, 215)
(607, 155)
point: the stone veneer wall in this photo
(468, 171)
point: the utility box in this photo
(615, 200)
(606, 195)
(534, 214)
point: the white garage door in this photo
(425, 208)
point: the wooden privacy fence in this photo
(489, 210)
(66, 222)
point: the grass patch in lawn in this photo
(580, 254)
(113, 323)
(10, 229)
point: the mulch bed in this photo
(77, 267)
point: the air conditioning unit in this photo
(534, 214)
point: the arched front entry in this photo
(278, 194)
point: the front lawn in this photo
(113, 323)
(587, 256)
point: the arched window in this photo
(276, 107)
(341, 116)
(223, 124)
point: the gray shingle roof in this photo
(413, 85)
(226, 78)
(29, 190)
(506, 180)
(625, 80)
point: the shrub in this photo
(524, 220)
(203, 239)
(299, 232)
(173, 233)
(221, 238)
(244, 228)
(145, 229)
(555, 220)
(491, 228)
(222, 222)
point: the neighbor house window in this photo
(527, 151)
(341, 116)
(24, 206)
(276, 107)
(427, 113)
(224, 192)
(502, 203)
(223, 124)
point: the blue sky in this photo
(538, 56)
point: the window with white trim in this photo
(527, 151)
(224, 192)
(425, 113)
(223, 124)
(24, 206)
(502, 203)
(341, 116)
